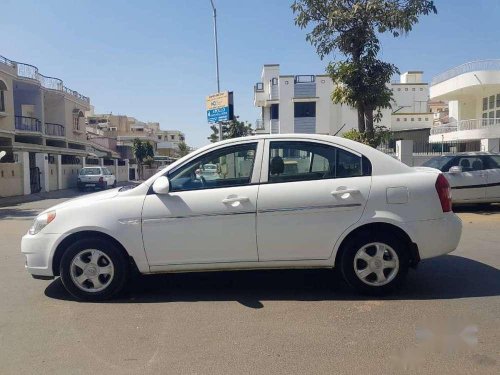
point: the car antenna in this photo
(337, 132)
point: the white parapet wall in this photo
(11, 179)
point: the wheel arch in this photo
(73, 237)
(378, 227)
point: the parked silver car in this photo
(474, 177)
(95, 177)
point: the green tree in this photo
(141, 150)
(183, 149)
(231, 129)
(352, 28)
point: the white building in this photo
(302, 104)
(473, 94)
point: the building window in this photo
(498, 114)
(413, 89)
(485, 104)
(172, 137)
(405, 119)
(399, 89)
(412, 119)
(498, 100)
(406, 89)
(3, 87)
(398, 119)
(492, 102)
(420, 119)
(421, 89)
(275, 111)
(305, 109)
(427, 119)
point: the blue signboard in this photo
(218, 114)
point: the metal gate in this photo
(35, 180)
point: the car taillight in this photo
(444, 192)
(101, 179)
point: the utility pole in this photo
(216, 60)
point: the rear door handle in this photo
(235, 199)
(344, 191)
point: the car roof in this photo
(470, 153)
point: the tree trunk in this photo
(369, 122)
(361, 118)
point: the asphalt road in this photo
(445, 320)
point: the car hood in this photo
(85, 200)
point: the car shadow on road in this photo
(480, 209)
(446, 277)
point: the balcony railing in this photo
(259, 124)
(31, 72)
(474, 66)
(30, 124)
(54, 129)
(305, 79)
(465, 125)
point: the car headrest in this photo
(477, 165)
(277, 165)
(465, 163)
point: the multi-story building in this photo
(168, 142)
(302, 104)
(472, 91)
(123, 130)
(42, 129)
(439, 110)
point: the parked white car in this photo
(95, 177)
(474, 177)
(338, 204)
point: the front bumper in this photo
(39, 250)
(436, 237)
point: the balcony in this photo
(28, 124)
(56, 130)
(30, 72)
(466, 130)
(259, 124)
(474, 66)
(466, 80)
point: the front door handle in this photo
(340, 193)
(235, 199)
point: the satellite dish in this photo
(2, 154)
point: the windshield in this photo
(90, 171)
(438, 162)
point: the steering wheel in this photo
(203, 181)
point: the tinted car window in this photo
(469, 163)
(303, 161)
(493, 161)
(438, 162)
(230, 166)
(90, 171)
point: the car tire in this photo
(375, 263)
(94, 269)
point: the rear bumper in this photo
(38, 250)
(436, 237)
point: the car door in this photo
(310, 193)
(469, 185)
(206, 221)
(492, 177)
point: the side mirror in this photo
(161, 185)
(456, 169)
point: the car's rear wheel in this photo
(93, 269)
(375, 264)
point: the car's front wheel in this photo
(93, 269)
(375, 264)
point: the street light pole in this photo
(216, 59)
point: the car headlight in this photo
(42, 221)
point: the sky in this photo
(155, 60)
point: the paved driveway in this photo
(445, 320)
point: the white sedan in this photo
(474, 177)
(279, 201)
